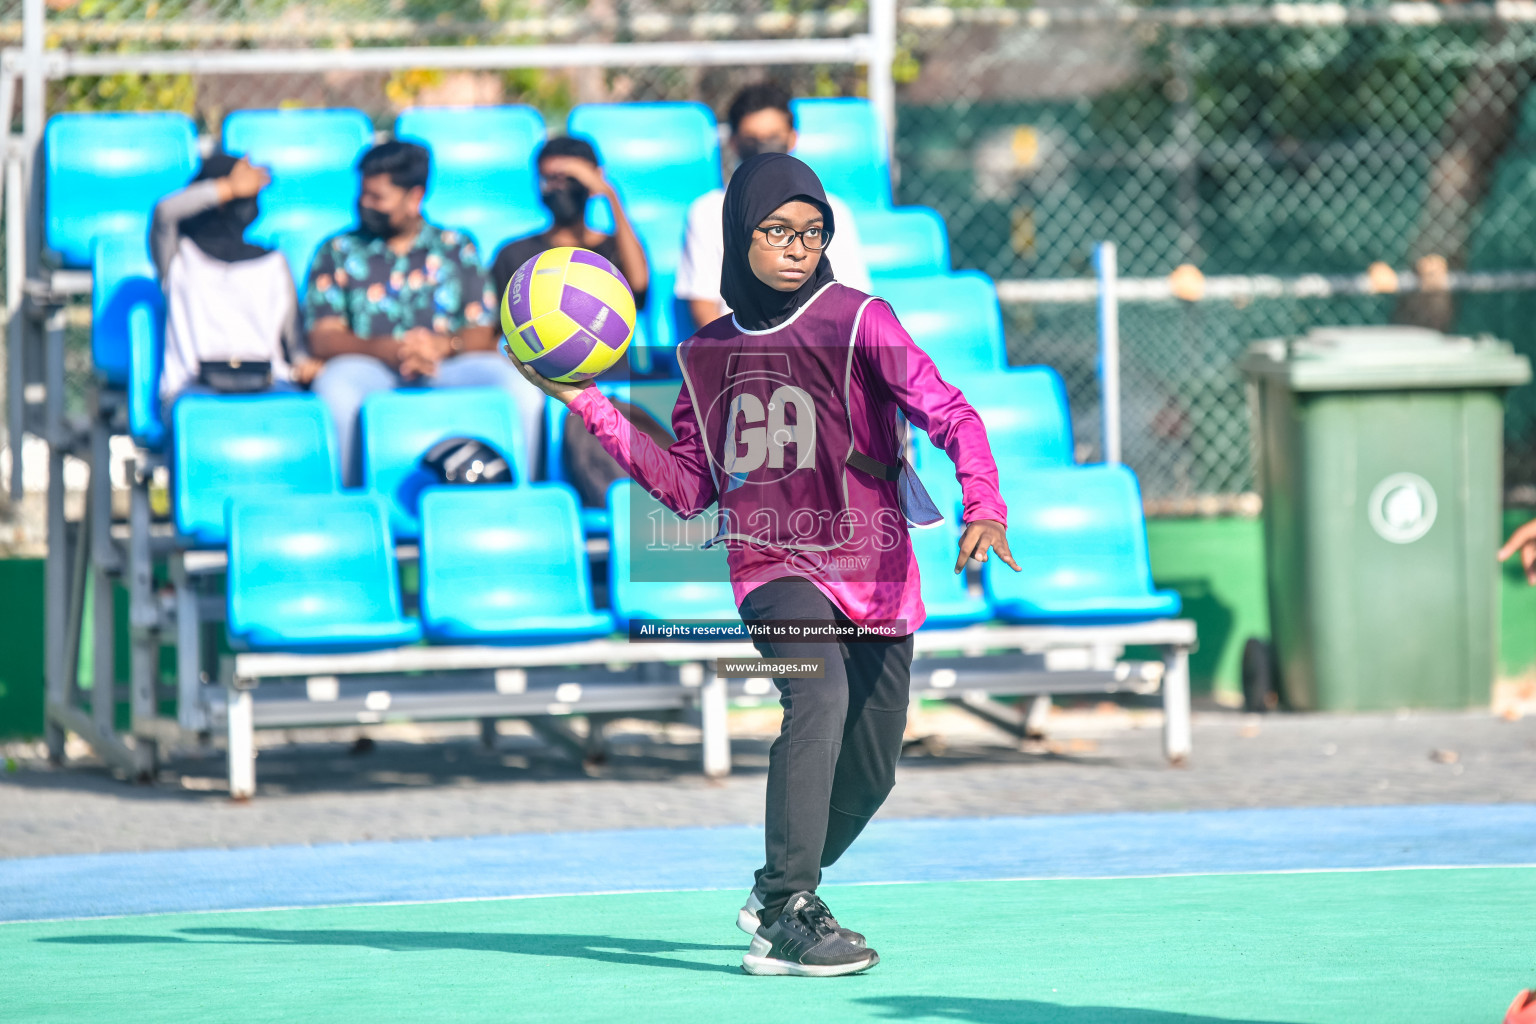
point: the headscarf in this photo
(761, 185)
(220, 231)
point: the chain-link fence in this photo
(1282, 140)
(1229, 139)
(127, 26)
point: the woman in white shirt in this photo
(228, 303)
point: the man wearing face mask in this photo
(761, 122)
(397, 301)
(569, 175)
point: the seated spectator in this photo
(761, 122)
(232, 312)
(569, 174)
(397, 302)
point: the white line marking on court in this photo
(835, 885)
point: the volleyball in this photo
(568, 313)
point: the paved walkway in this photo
(314, 792)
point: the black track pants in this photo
(834, 761)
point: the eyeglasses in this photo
(814, 239)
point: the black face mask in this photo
(748, 146)
(375, 222)
(243, 211)
(568, 203)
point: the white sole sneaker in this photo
(746, 917)
(756, 961)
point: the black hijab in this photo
(220, 231)
(761, 185)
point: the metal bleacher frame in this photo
(967, 667)
(598, 679)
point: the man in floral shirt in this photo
(399, 302)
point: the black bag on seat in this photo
(467, 460)
(235, 377)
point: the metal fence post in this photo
(15, 310)
(1109, 346)
(714, 710)
(881, 86)
(1177, 734)
(56, 570)
(242, 743)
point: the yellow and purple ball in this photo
(568, 313)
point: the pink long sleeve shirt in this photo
(890, 374)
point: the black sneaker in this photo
(805, 942)
(747, 919)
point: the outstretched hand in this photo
(561, 392)
(980, 536)
(1523, 540)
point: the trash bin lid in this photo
(1381, 358)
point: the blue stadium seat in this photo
(127, 304)
(656, 398)
(146, 424)
(298, 248)
(231, 447)
(507, 565)
(663, 323)
(128, 331)
(842, 141)
(399, 427)
(314, 573)
(103, 174)
(312, 155)
(1079, 536)
(946, 594)
(660, 157)
(1025, 411)
(483, 179)
(955, 318)
(904, 242)
(667, 577)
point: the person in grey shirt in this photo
(227, 301)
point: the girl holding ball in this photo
(790, 422)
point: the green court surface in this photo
(1422, 945)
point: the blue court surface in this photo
(1301, 916)
(657, 860)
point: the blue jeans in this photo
(347, 380)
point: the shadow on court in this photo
(606, 949)
(1025, 1011)
(631, 952)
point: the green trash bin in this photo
(1379, 455)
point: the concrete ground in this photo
(428, 782)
